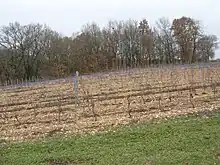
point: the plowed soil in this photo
(42, 110)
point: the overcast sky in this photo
(68, 16)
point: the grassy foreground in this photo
(191, 140)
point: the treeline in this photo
(35, 50)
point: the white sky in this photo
(68, 16)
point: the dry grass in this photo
(45, 110)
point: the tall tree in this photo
(185, 31)
(146, 42)
(29, 42)
(130, 42)
(112, 43)
(206, 48)
(164, 42)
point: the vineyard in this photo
(105, 101)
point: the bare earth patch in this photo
(45, 110)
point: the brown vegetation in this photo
(35, 51)
(43, 110)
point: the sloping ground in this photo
(43, 110)
(184, 140)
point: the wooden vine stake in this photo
(213, 87)
(190, 99)
(171, 81)
(191, 88)
(59, 106)
(160, 88)
(203, 79)
(128, 107)
(142, 89)
(76, 88)
(93, 110)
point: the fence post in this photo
(76, 87)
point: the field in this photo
(104, 101)
(177, 141)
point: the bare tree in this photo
(35, 50)
(94, 37)
(185, 31)
(130, 42)
(164, 42)
(206, 47)
(146, 42)
(29, 43)
(112, 43)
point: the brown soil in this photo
(45, 110)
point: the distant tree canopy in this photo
(36, 50)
